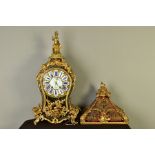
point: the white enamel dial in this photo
(56, 83)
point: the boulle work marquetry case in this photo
(103, 110)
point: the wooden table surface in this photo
(46, 125)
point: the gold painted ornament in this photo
(56, 81)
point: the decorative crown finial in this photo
(56, 43)
(103, 91)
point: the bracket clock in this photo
(56, 81)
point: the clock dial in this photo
(56, 83)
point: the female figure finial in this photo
(56, 43)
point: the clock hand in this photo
(56, 83)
